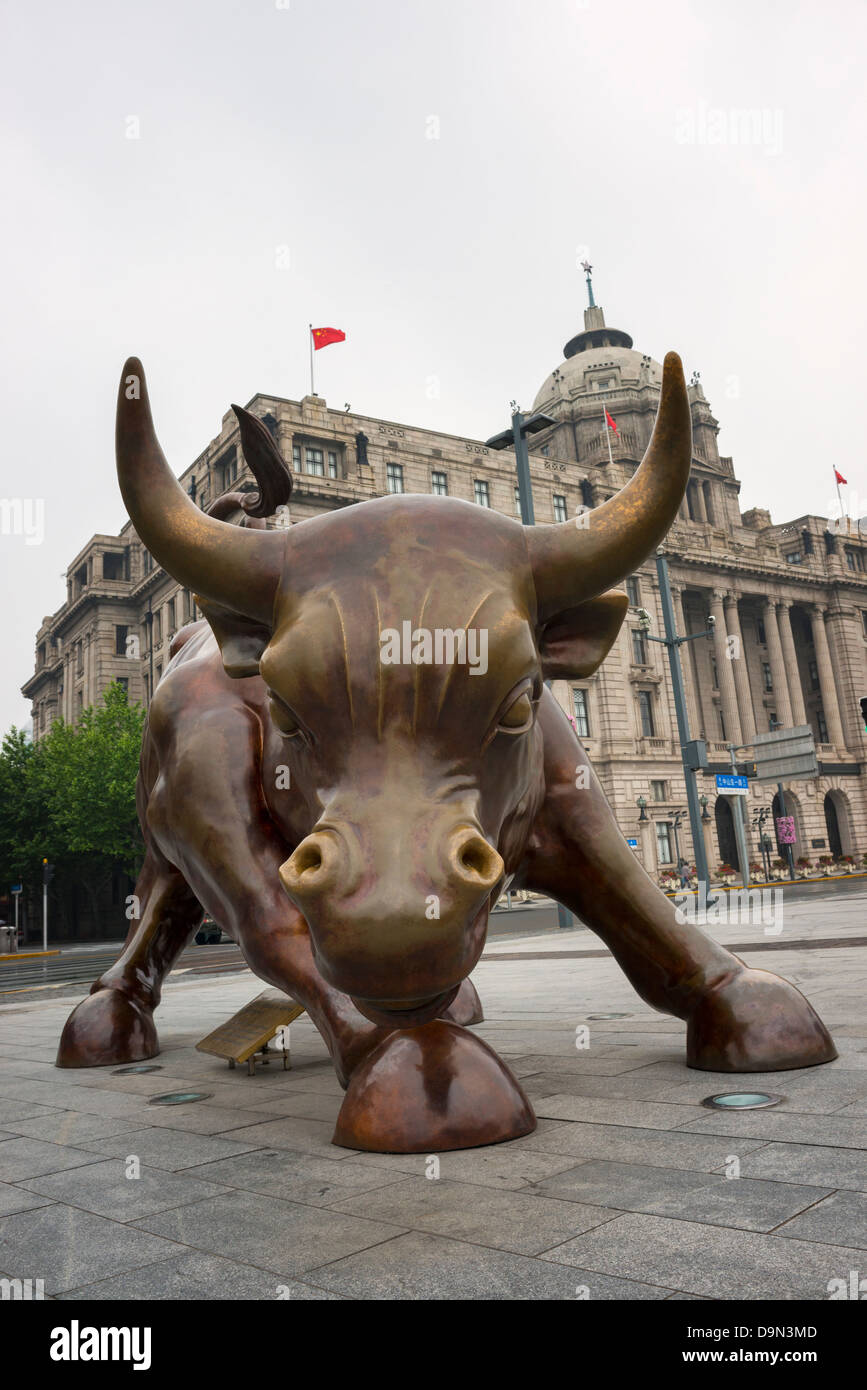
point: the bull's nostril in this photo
(307, 858)
(479, 861)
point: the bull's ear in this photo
(575, 642)
(242, 640)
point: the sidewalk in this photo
(621, 1191)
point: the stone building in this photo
(789, 645)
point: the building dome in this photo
(598, 360)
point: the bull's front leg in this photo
(738, 1019)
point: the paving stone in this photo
(11, 1111)
(523, 1222)
(70, 1127)
(17, 1199)
(169, 1149)
(720, 1201)
(841, 1219)
(507, 1166)
(671, 1148)
(67, 1247)
(198, 1277)
(294, 1176)
(419, 1266)
(721, 1264)
(594, 1110)
(846, 1133)
(105, 1189)
(285, 1237)
(29, 1158)
(198, 1117)
(292, 1132)
(808, 1163)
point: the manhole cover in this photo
(742, 1100)
(180, 1097)
(135, 1071)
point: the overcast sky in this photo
(432, 173)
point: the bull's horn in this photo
(234, 566)
(573, 561)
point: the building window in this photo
(767, 677)
(639, 647)
(170, 617)
(722, 726)
(120, 634)
(315, 462)
(544, 450)
(586, 493)
(663, 842)
(821, 726)
(158, 628)
(659, 789)
(482, 489)
(123, 682)
(332, 464)
(713, 673)
(296, 457)
(853, 559)
(112, 565)
(813, 670)
(580, 711)
(794, 557)
(760, 631)
(772, 719)
(517, 501)
(645, 713)
(864, 620)
(559, 507)
(394, 477)
(439, 483)
(633, 591)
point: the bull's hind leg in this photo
(738, 1019)
(114, 1023)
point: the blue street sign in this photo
(633, 844)
(727, 784)
(17, 888)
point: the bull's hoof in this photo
(755, 1021)
(107, 1028)
(466, 1007)
(429, 1089)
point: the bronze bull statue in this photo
(351, 815)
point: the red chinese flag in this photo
(839, 478)
(609, 420)
(323, 336)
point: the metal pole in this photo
(44, 916)
(17, 896)
(310, 335)
(740, 831)
(522, 458)
(528, 517)
(682, 721)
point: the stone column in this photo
(698, 495)
(778, 665)
(741, 673)
(790, 656)
(830, 705)
(692, 714)
(725, 675)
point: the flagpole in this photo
(607, 431)
(840, 500)
(310, 335)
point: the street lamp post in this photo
(517, 437)
(692, 752)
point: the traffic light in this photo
(47, 872)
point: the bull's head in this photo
(419, 778)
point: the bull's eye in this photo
(518, 716)
(283, 718)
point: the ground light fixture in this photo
(595, 1018)
(137, 1070)
(180, 1097)
(742, 1100)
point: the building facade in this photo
(789, 642)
